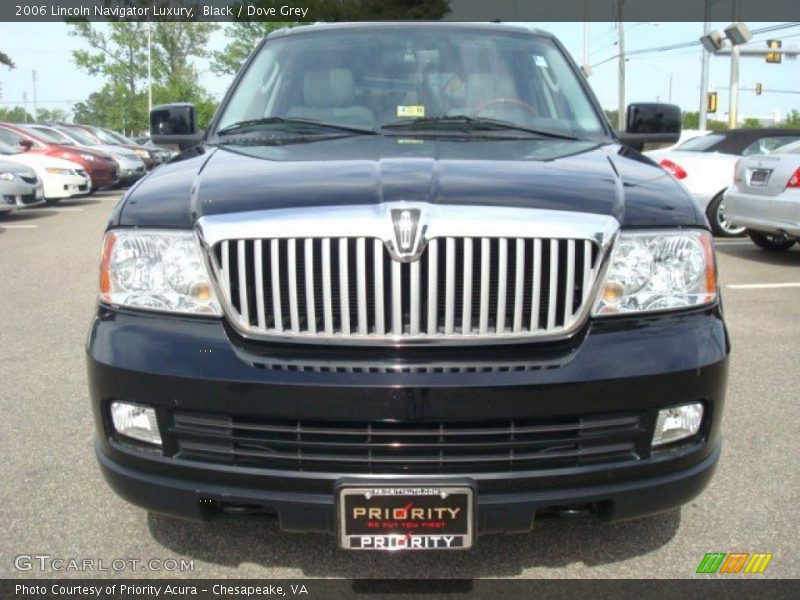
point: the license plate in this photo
(759, 177)
(405, 517)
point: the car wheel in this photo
(771, 242)
(719, 224)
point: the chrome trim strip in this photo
(380, 327)
(433, 258)
(519, 286)
(259, 264)
(294, 314)
(242, 268)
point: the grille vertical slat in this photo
(294, 312)
(450, 287)
(241, 257)
(466, 318)
(502, 285)
(553, 288)
(380, 322)
(414, 292)
(483, 322)
(397, 298)
(361, 289)
(259, 266)
(344, 287)
(327, 302)
(308, 255)
(519, 285)
(433, 261)
(536, 294)
(569, 283)
(487, 287)
(275, 275)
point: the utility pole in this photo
(33, 76)
(586, 37)
(704, 68)
(733, 105)
(25, 103)
(621, 80)
(670, 88)
(149, 69)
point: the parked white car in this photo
(60, 178)
(705, 165)
(765, 198)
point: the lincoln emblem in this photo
(406, 225)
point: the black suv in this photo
(407, 288)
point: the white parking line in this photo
(13, 226)
(763, 286)
(65, 208)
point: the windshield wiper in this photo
(266, 121)
(472, 124)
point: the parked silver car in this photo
(19, 187)
(765, 197)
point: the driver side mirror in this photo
(25, 144)
(174, 125)
(651, 123)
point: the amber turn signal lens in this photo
(105, 271)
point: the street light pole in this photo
(704, 68)
(149, 69)
(621, 79)
(33, 77)
(733, 104)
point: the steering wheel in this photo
(507, 101)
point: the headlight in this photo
(658, 270)
(59, 171)
(88, 157)
(142, 153)
(7, 176)
(156, 270)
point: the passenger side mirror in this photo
(25, 144)
(651, 123)
(174, 125)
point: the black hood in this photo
(550, 174)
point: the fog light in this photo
(135, 421)
(677, 423)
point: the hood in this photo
(42, 161)
(576, 176)
(9, 165)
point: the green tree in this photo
(751, 123)
(51, 115)
(16, 114)
(716, 125)
(690, 120)
(792, 120)
(5, 60)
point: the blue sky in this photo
(47, 48)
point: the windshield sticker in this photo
(540, 61)
(411, 111)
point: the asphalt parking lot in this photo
(53, 500)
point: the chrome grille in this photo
(459, 288)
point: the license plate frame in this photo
(435, 528)
(759, 177)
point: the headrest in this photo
(328, 87)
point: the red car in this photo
(102, 168)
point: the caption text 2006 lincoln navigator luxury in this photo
(408, 288)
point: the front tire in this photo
(771, 242)
(719, 223)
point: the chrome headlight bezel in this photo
(157, 270)
(658, 270)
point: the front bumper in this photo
(614, 366)
(767, 214)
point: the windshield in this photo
(703, 143)
(371, 77)
(105, 137)
(120, 139)
(6, 149)
(51, 136)
(79, 136)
